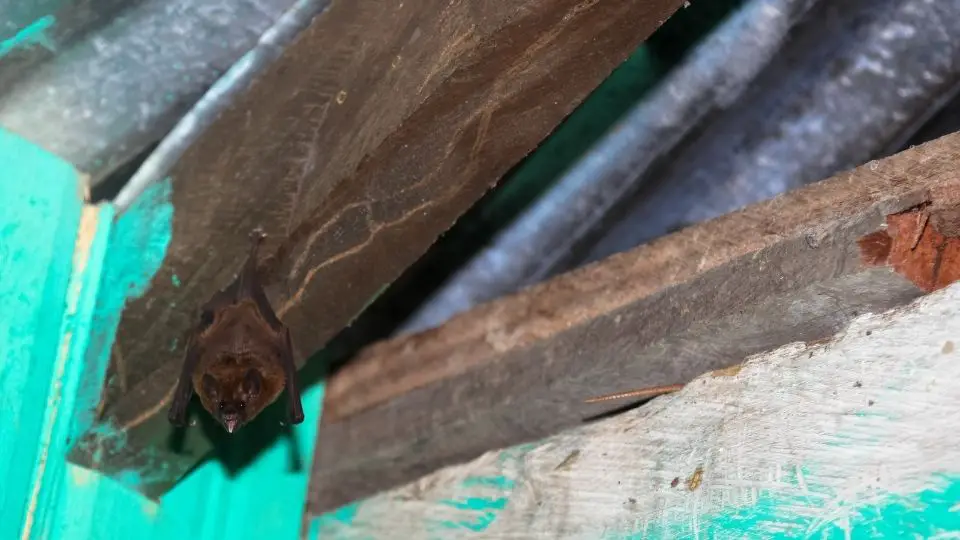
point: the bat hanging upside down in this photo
(239, 358)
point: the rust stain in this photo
(568, 461)
(922, 245)
(947, 347)
(695, 479)
(817, 342)
(875, 248)
(727, 371)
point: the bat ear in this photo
(252, 382)
(210, 386)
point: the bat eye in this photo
(242, 404)
(222, 404)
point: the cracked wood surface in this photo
(377, 128)
(519, 368)
(852, 437)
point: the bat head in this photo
(233, 400)
(239, 370)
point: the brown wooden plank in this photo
(371, 135)
(519, 368)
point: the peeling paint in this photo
(31, 35)
(791, 513)
(138, 244)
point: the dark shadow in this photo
(178, 435)
(239, 450)
(609, 413)
(108, 188)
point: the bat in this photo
(239, 357)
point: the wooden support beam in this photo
(367, 139)
(796, 268)
(854, 437)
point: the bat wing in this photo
(184, 390)
(294, 402)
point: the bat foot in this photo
(177, 418)
(257, 235)
(295, 416)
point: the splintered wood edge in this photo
(388, 369)
(843, 414)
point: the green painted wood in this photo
(38, 226)
(266, 500)
(66, 271)
(210, 503)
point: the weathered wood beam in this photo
(796, 268)
(854, 437)
(366, 140)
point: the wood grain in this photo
(519, 368)
(856, 437)
(371, 135)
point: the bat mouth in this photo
(231, 422)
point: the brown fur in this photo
(239, 358)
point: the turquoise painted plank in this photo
(464, 505)
(66, 400)
(53, 261)
(96, 507)
(38, 226)
(67, 270)
(209, 503)
(134, 246)
(54, 251)
(926, 513)
(266, 500)
(137, 245)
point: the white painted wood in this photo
(858, 437)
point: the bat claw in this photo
(176, 418)
(257, 234)
(256, 238)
